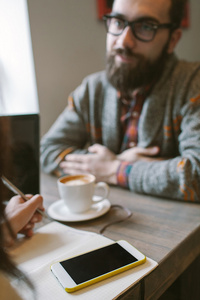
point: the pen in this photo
(15, 190)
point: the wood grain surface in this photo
(166, 231)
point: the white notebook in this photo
(55, 242)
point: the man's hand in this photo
(134, 154)
(103, 163)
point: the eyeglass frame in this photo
(156, 27)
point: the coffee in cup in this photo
(78, 191)
(76, 180)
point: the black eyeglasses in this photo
(143, 29)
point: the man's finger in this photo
(151, 151)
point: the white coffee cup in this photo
(78, 191)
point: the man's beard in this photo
(126, 78)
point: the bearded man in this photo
(141, 115)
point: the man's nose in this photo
(127, 39)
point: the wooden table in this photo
(166, 231)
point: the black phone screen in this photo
(96, 263)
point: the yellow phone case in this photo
(105, 276)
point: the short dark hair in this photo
(6, 264)
(176, 12)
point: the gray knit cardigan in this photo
(170, 119)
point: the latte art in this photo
(76, 182)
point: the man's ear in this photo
(175, 37)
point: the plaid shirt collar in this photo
(143, 91)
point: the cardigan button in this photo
(132, 144)
(135, 114)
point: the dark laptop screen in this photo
(23, 143)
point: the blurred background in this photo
(69, 43)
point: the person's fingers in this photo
(151, 151)
(28, 233)
(34, 203)
(28, 226)
(74, 168)
(96, 148)
(36, 218)
(27, 230)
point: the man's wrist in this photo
(123, 172)
(113, 172)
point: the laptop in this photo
(23, 143)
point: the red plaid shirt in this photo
(130, 115)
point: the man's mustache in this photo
(125, 52)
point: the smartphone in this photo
(90, 267)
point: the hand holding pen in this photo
(21, 215)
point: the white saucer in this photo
(59, 211)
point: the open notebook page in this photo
(55, 242)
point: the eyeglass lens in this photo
(142, 30)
